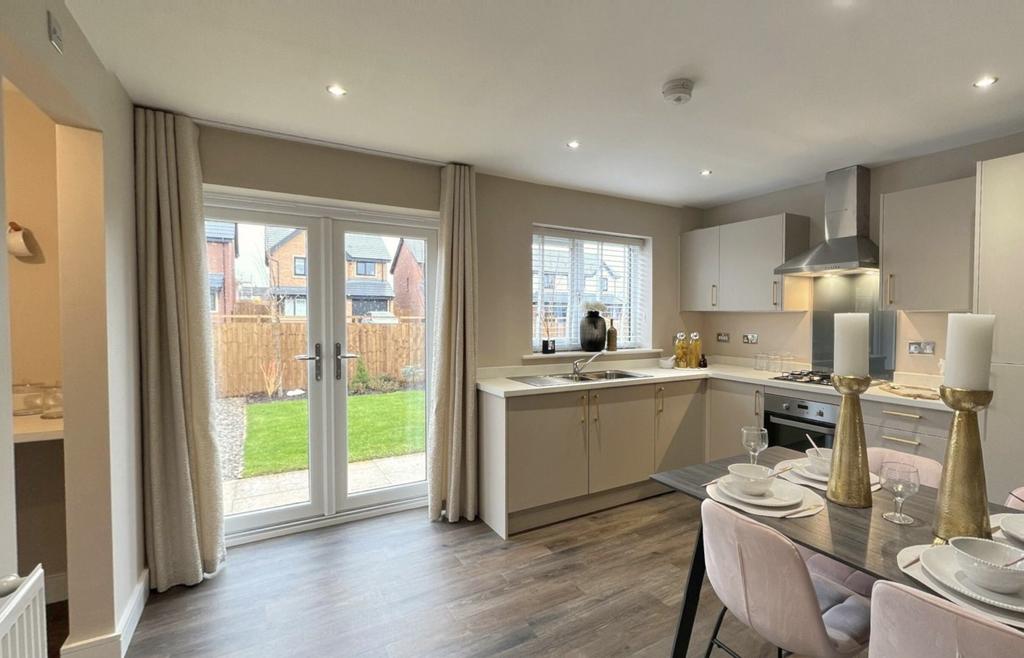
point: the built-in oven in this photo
(789, 421)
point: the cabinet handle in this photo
(597, 409)
(889, 287)
(714, 294)
(583, 409)
(901, 414)
(757, 403)
(775, 293)
(661, 399)
(897, 439)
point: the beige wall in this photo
(777, 332)
(102, 465)
(506, 209)
(506, 212)
(810, 200)
(8, 529)
(30, 176)
(258, 162)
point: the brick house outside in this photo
(408, 279)
(221, 251)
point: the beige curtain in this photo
(452, 439)
(181, 465)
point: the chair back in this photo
(908, 622)
(1016, 499)
(759, 575)
(928, 469)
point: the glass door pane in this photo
(263, 332)
(383, 332)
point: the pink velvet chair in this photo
(909, 623)
(762, 580)
(930, 472)
(1016, 499)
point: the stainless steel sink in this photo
(569, 378)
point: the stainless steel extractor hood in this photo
(847, 248)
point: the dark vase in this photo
(592, 332)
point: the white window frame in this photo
(639, 302)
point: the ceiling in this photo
(784, 90)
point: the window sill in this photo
(636, 352)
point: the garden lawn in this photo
(379, 425)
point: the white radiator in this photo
(23, 619)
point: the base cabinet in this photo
(678, 425)
(731, 406)
(621, 436)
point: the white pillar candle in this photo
(969, 351)
(850, 350)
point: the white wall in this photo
(104, 475)
(8, 530)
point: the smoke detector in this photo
(678, 91)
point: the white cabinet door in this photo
(621, 436)
(698, 270)
(927, 247)
(1000, 237)
(679, 422)
(547, 449)
(732, 405)
(749, 253)
(1002, 423)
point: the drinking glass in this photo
(761, 361)
(755, 440)
(902, 481)
(774, 362)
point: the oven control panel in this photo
(821, 412)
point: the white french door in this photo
(321, 347)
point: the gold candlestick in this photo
(961, 506)
(849, 483)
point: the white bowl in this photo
(982, 561)
(820, 463)
(752, 479)
(667, 363)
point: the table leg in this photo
(691, 598)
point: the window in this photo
(572, 268)
(213, 301)
(293, 307)
(366, 268)
(299, 265)
(364, 306)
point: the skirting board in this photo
(555, 512)
(115, 645)
(56, 587)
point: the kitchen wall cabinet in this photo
(679, 411)
(731, 406)
(621, 436)
(698, 269)
(731, 267)
(547, 449)
(927, 247)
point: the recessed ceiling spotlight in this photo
(574, 144)
(985, 81)
(705, 172)
(336, 90)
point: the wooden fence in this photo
(250, 356)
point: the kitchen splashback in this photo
(854, 293)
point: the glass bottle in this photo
(694, 351)
(681, 349)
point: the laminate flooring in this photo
(607, 584)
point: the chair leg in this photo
(714, 633)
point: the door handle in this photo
(583, 410)
(889, 289)
(775, 293)
(338, 356)
(661, 399)
(714, 294)
(315, 357)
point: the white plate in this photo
(940, 562)
(918, 573)
(1013, 526)
(811, 504)
(801, 468)
(781, 494)
(796, 477)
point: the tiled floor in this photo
(266, 491)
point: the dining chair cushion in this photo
(907, 622)
(761, 578)
(1016, 499)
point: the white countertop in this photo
(35, 428)
(505, 387)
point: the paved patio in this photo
(266, 491)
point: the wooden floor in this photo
(609, 584)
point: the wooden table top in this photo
(860, 538)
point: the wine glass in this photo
(902, 481)
(755, 440)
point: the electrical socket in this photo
(750, 339)
(921, 347)
(722, 337)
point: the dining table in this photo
(857, 537)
